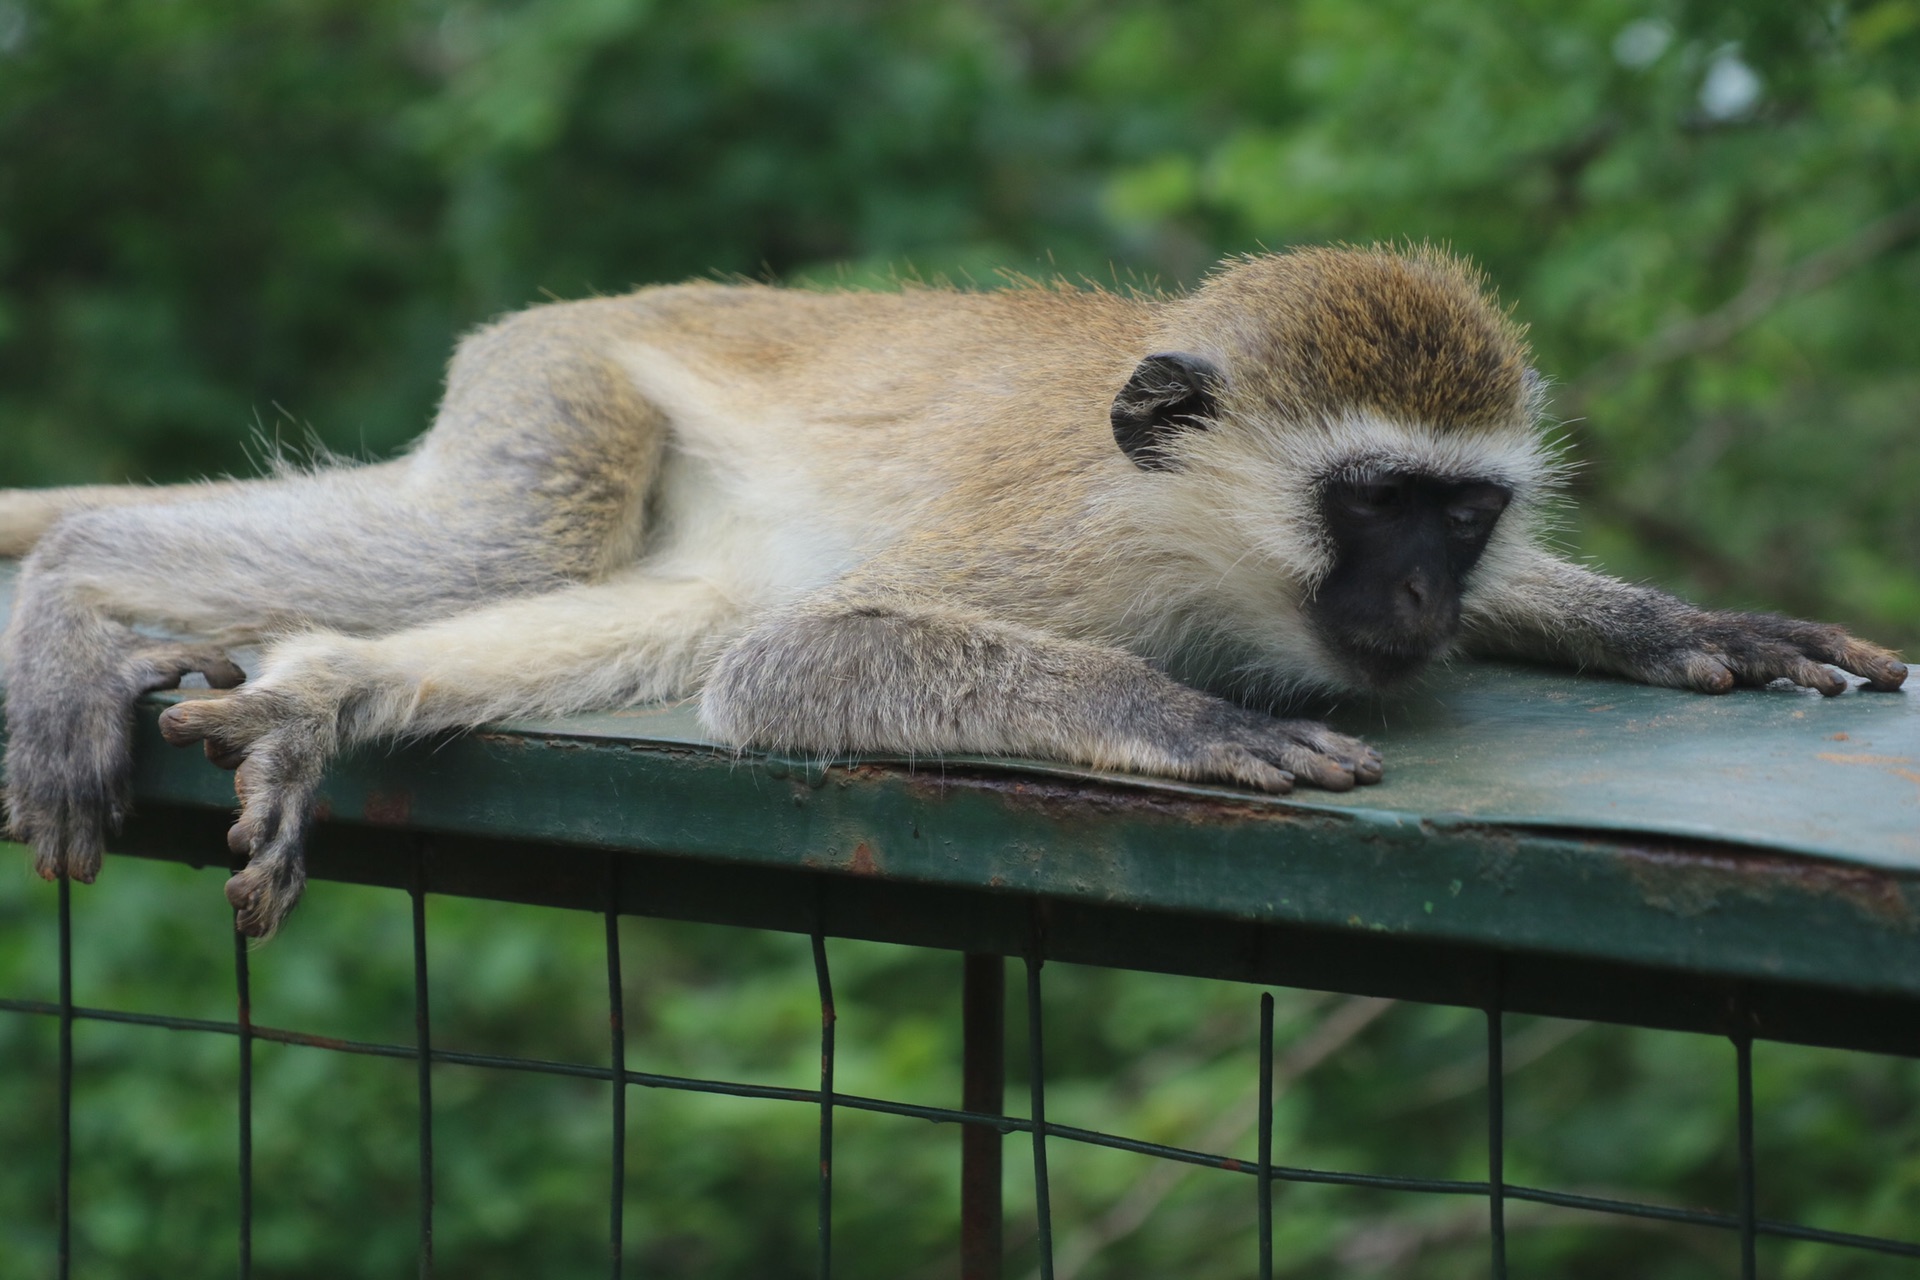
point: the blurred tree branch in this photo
(1352, 1016)
(1761, 294)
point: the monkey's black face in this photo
(1403, 547)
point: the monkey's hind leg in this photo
(534, 475)
(633, 638)
(354, 548)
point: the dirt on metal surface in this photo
(1692, 882)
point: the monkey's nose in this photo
(1422, 608)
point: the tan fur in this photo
(853, 522)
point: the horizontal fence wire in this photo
(1001, 1123)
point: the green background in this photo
(231, 228)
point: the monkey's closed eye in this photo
(1373, 498)
(1473, 509)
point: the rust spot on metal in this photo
(1691, 882)
(1231, 1165)
(305, 1038)
(863, 863)
(388, 808)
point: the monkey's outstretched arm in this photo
(892, 674)
(1539, 606)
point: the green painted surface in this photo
(1782, 769)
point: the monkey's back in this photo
(807, 431)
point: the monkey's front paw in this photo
(1260, 751)
(1728, 649)
(278, 747)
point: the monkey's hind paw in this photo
(277, 747)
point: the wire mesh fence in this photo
(980, 1117)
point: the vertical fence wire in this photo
(983, 1091)
(1266, 1136)
(1497, 1123)
(423, 1043)
(243, 1017)
(63, 1209)
(617, 1021)
(827, 1016)
(1743, 1067)
(1037, 1089)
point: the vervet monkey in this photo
(1044, 521)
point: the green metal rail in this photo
(1747, 866)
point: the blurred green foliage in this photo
(223, 221)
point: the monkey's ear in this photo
(1169, 393)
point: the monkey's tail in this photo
(27, 514)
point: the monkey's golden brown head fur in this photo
(1412, 336)
(1290, 377)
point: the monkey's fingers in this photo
(1318, 755)
(1758, 648)
(276, 808)
(1229, 762)
(208, 722)
(1881, 668)
(1760, 666)
(1305, 751)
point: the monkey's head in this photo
(1349, 437)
